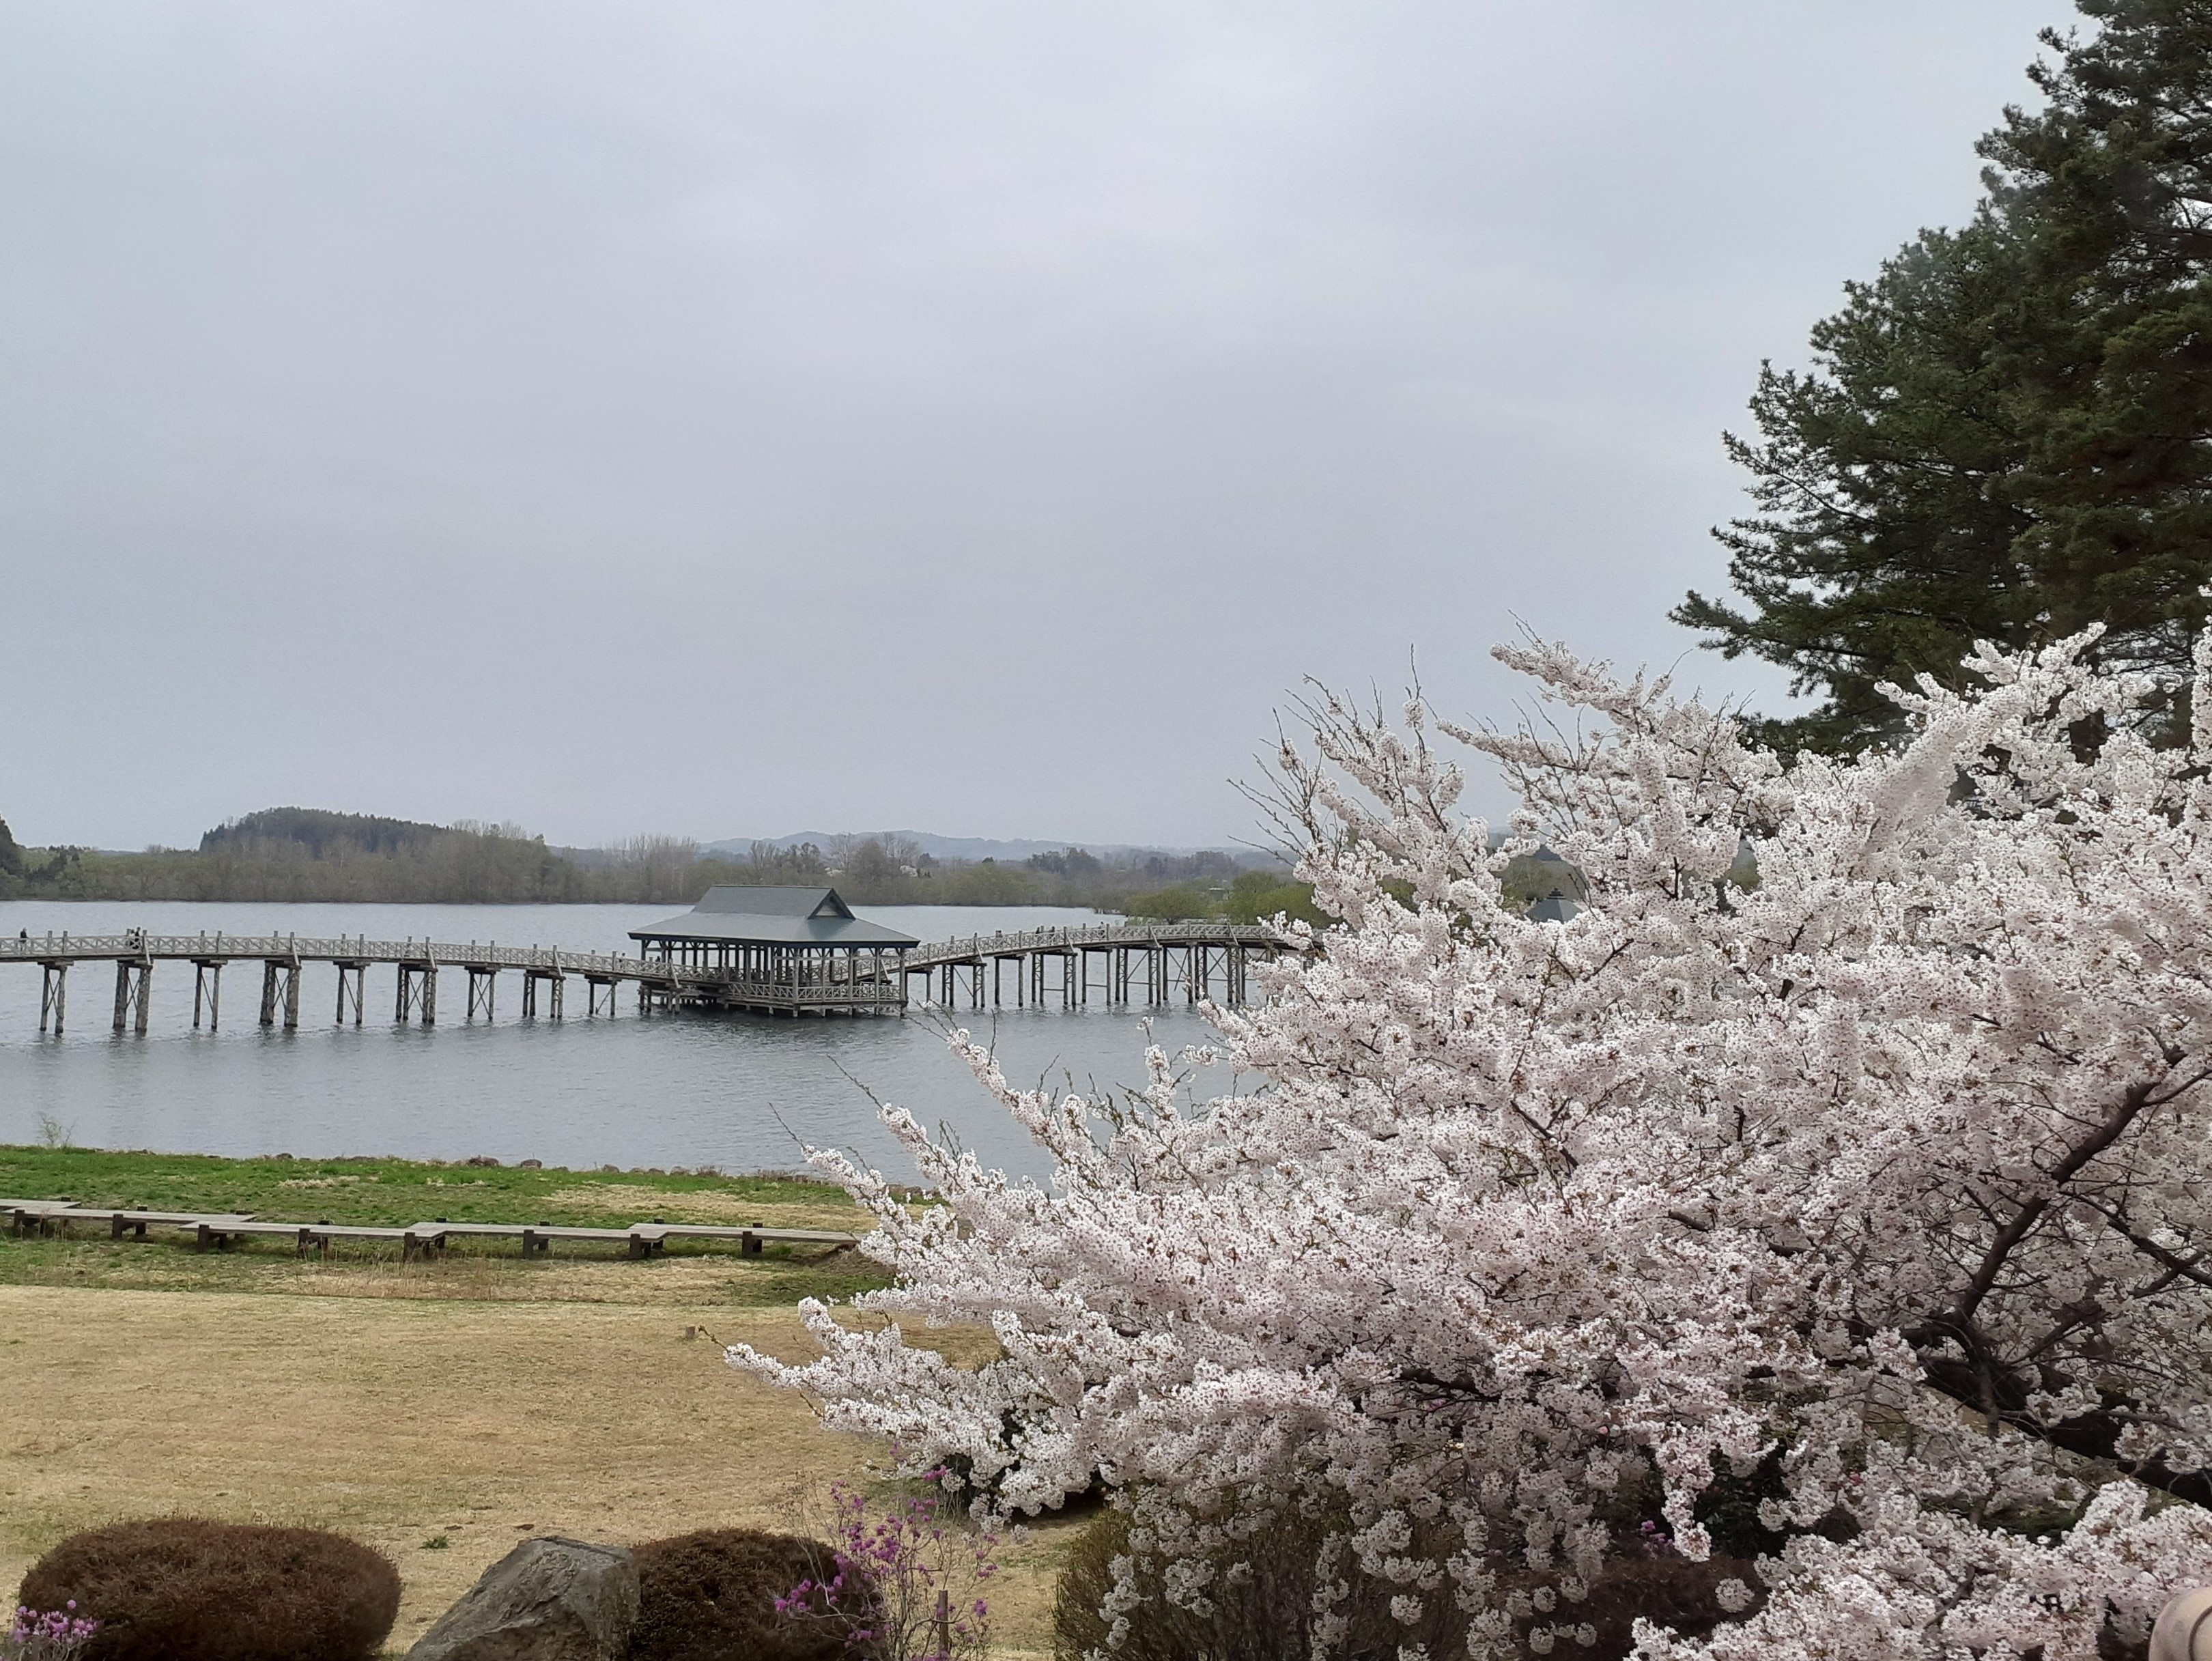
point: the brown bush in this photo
(186, 1589)
(1269, 1612)
(1671, 1591)
(1264, 1613)
(711, 1596)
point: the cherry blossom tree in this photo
(1877, 1190)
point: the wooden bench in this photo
(643, 1239)
(218, 1229)
(647, 1239)
(36, 1216)
(751, 1239)
(538, 1241)
(138, 1219)
(423, 1240)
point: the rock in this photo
(2183, 1632)
(532, 1165)
(549, 1599)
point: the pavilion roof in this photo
(734, 914)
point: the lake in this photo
(740, 1092)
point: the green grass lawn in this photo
(397, 1192)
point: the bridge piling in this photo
(353, 987)
(553, 981)
(206, 983)
(280, 988)
(417, 993)
(134, 990)
(53, 995)
(486, 977)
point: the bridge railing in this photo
(1075, 938)
(445, 954)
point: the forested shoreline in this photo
(306, 855)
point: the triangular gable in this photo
(831, 906)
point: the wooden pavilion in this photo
(783, 951)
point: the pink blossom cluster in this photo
(1885, 1171)
(48, 1635)
(906, 1585)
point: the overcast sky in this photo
(728, 418)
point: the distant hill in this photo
(322, 832)
(967, 848)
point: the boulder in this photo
(549, 1599)
(2183, 1632)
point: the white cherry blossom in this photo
(1892, 1171)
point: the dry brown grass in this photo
(401, 1418)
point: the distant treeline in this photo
(295, 854)
(1263, 894)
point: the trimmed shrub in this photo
(188, 1589)
(711, 1596)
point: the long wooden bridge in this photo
(1204, 960)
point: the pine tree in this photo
(2007, 434)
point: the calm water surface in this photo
(739, 1091)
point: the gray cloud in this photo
(721, 418)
